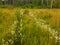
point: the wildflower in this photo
(22, 13)
(15, 22)
(10, 40)
(6, 43)
(45, 26)
(3, 40)
(42, 23)
(12, 32)
(31, 14)
(56, 37)
(20, 33)
(56, 32)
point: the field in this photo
(29, 26)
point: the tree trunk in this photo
(52, 3)
(42, 1)
(47, 3)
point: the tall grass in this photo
(27, 28)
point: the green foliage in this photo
(31, 4)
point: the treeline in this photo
(33, 3)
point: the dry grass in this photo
(53, 21)
(54, 12)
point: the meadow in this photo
(29, 26)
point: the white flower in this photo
(20, 33)
(56, 32)
(3, 40)
(10, 40)
(12, 32)
(22, 13)
(42, 23)
(31, 14)
(56, 37)
(15, 22)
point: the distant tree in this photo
(42, 1)
(3, 2)
(52, 3)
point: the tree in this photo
(42, 1)
(52, 3)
